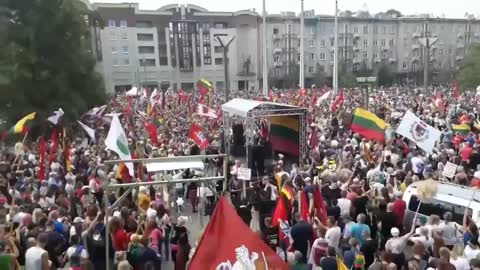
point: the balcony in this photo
(277, 64)
(415, 59)
(277, 36)
(415, 46)
(384, 49)
(277, 50)
(291, 36)
(460, 35)
(416, 35)
(460, 46)
(459, 58)
(356, 35)
(356, 48)
(377, 60)
(357, 61)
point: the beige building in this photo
(176, 45)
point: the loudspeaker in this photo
(238, 138)
(256, 158)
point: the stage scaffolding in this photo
(251, 111)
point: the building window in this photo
(365, 55)
(355, 55)
(332, 42)
(365, 29)
(414, 66)
(390, 42)
(383, 43)
(145, 37)
(219, 61)
(125, 49)
(323, 29)
(384, 29)
(111, 23)
(126, 62)
(198, 45)
(146, 49)
(147, 62)
(124, 35)
(276, 58)
(114, 49)
(392, 29)
(220, 25)
(322, 43)
(375, 29)
(375, 43)
(310, 69)
(113, 36)
(355, 68)
(404, 65)
(207, 49)
(415, 28)
(115, 62)
(310, 43)
(312, 56)
(275, 31)
(405, 42)
(384, 55)
(182, 33)
(440, 52)
(375, 55)
(322, 56)
(143, 24)
(123, 23)
(276, 72)
(163, 61)
(355, 30)
(365, 42)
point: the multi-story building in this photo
(176, 45)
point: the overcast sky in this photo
(450, 8)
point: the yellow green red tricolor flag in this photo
(368, 125)
(22, 126)
(462, 129)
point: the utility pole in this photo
(264, 45)
(225, 47)
(302, 47)
(427, 43)
(335, 53)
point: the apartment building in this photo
(176, 45)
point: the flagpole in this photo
(335, 53)
(264, 45)
(302, 47)
(23, 143)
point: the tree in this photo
(469, 73)
(46, 60)
(384, 76)
(346, 79)
(319, 77)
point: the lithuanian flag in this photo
(462, 129)
(368, 125)
(284, 135)
(204, 86)
(122, 173)
(22, 126)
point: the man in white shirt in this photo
(449, 230)
(418, 164)
(344, 204)
(36, 257)
(333, 234)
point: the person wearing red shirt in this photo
(119, 235)
(398, 208)
(465, 153)
(457, 140)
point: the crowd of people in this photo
(60, 222)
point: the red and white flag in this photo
(323, 98)
(203, 110)
(196, 134)
(235, 245)
(337, 101)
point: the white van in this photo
(449, 198)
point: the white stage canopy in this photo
(241, 107)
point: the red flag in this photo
(337, 101)
(183, 96)
(455, 89)
(319, 207)
(270, 95)
(303, 92)
(53, 148)
(197, 135)
(232, 241)
(152, 132)
(313, 141)
(42, 151)
(128, 108)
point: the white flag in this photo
(132, 92)
(88, 130)
(57, 117)
(322, 98)
(203, 110)
(96, 111)
(117, 142)
(424, 135)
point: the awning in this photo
(241, 107)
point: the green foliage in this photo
(319, 77)
(346, 79)
(469, 73)
(384, 76)
(46, 60)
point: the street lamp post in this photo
(366, 82)
(225, 47)
(302, 47)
